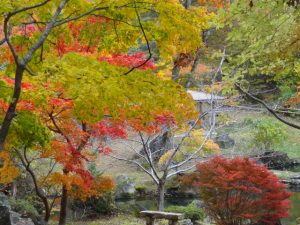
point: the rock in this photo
(15, 219)
(224, 141)
(180, 192)
(296, 177)
(158, 146)
(125, 187)
(276, 160)
(198, 203)
(8, 217)
(292, 182)
(185, 222)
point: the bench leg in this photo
(173, 222)
(149, 221)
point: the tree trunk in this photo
(196, 61)
(175, 73)
(63, 206)
(14, 190)
(11, 112)
(187, 4)
(161, 196)
(205, 35)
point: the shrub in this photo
(191, 211)
(238, 191)
(104, 204)
(268, 133)
(24, 207)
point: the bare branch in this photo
(2, 41)
(133, 149)
(39, 193)
(138, 164)
(273, 112)
(189, 158)
(181, 171)
(61, 22)
(30, 71)
(145, 148)
(182, 140)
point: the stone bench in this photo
(151, 216)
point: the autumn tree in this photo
(81, 106)
(239, 191)
(40, 39)
(31, 30)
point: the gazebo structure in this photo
(204, 100)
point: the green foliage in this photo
(263, 43)
(268, 133)
(27, 130)
(104, 204)
(100, 88)
(190, 211)
(248, 121)
(24, 207)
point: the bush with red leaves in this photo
(238, 192)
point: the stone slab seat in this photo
(150, 216)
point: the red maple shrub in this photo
(238, 191)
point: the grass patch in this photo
(120, 219)
(242, 134)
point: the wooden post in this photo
(173, 222)
(149, 221)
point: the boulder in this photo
(293, 181)
(125, 187)
(158, 146)
(15, 219)
(198, 203)
(185, 222)
(224, 141)
(8, 217)
(276, 160)
(4, 210)
(181, 192)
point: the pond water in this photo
(137, 205)
(150, 204)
